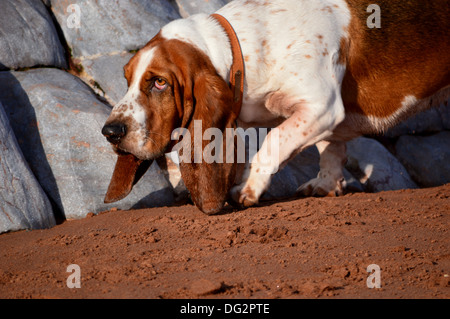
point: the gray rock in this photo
(94, 27)
(190, 7)
(23, 203)
(48, 3)
(351, 183)
(430, 121)
(105, 74)
(298, 171)
(28, 36)
(58, 120)
(376, 168)
(427, 158)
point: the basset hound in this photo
(316, 71)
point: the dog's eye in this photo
(160, 84)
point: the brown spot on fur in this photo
(328, 9)
(278, 11)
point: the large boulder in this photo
(93, 27)
(190, 7)
(106, 76)
(375, 167)
(427, 158)
(23, 203)
(58, 120)
(28, 36)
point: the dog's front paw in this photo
(244, 196)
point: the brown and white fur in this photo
(314, 70)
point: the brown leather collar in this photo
(237, 72)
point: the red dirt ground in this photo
(306, 248)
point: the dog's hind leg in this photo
(330, 180)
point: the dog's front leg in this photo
(289, 138)
(310, 122)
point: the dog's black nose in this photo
(114, 132)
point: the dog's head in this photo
(171, 84)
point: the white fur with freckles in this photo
(291, 49)
(129, 105)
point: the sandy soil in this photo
(306, 248)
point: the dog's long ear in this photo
(208, 174)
